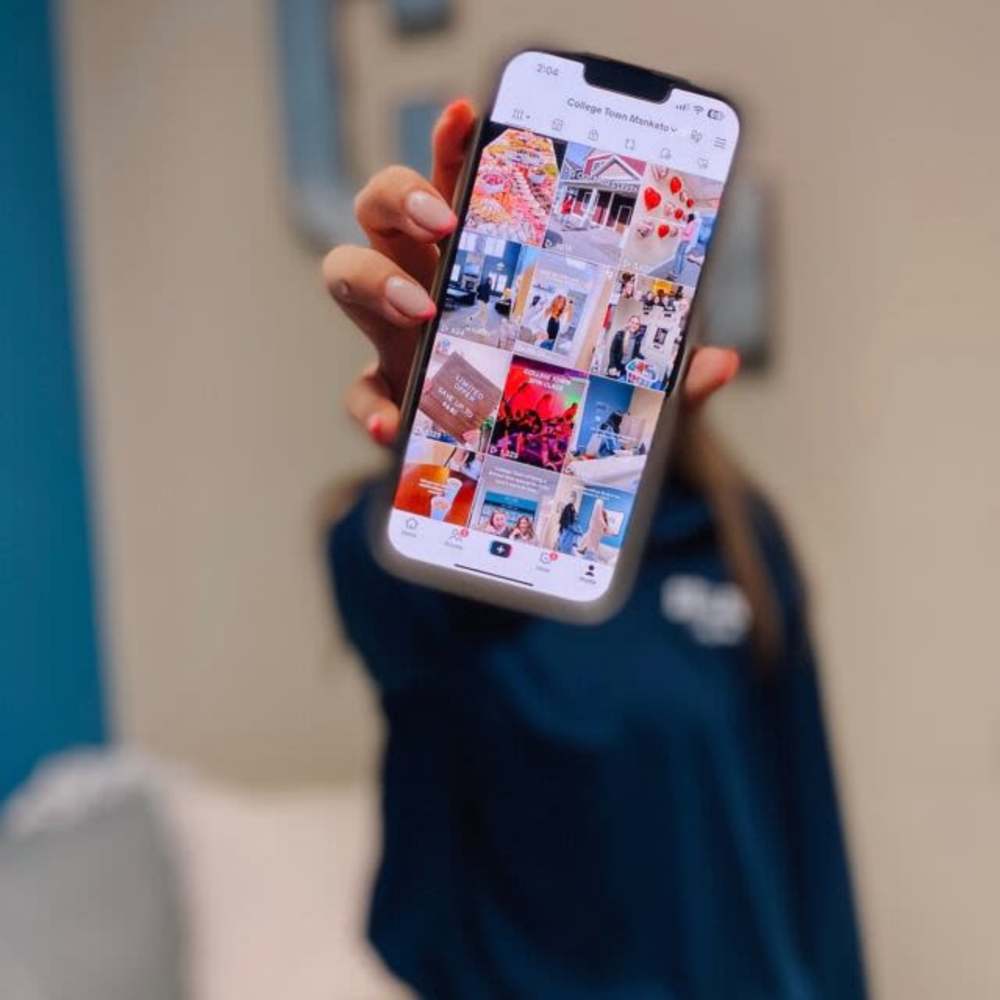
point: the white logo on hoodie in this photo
(718, 614)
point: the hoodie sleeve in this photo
(394, 626)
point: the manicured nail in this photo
(430, 212)
(409, 298)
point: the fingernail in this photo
(374, 427)
(409, 298)
(430, 212)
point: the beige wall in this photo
(215, 366)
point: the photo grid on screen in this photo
(562, 324)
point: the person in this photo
(642, 809)
(676, 302)
(569, 530)
(558, 313)
(523, 530)
(616, 350)
(468, 463)
(496, 523)
(689, 237)
(635, 350)
(520, 427)
(509, 420)
(595, 532)
(609, 435)
(484, 290)
(674, 347)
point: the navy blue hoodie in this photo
(625, 812)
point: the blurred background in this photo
(172, 374)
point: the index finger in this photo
(449, 144)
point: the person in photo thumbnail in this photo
(594, 203)
(537, 414)
(672, 224)
(558, 315)
(484, 292)
(598, 529)
(523, 530)
(643, 339)
(561, 302)
(570, 531)
(688, 239)
(614, 434)
(495, 521)
(480, 291)
(626, 344)
(609, 349)
(592, 520)
(514, 501)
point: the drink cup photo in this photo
(440, 506)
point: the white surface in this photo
(275, 884)
(278, 888)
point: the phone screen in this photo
(561, 327)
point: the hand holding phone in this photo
(538, 400)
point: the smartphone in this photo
(537, 422)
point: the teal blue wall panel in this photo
(50, 692)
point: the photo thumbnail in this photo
(645, 330)
(515, 186)
(561, 302)
(480, 294)
(589, 520)
(537, 415)
(461, 392)
(614, 433)
(672, 224)
(438, 481)
(594, 204)
(514, 501)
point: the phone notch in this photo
(633, 81)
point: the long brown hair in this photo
(705, 465)
(558, 305)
